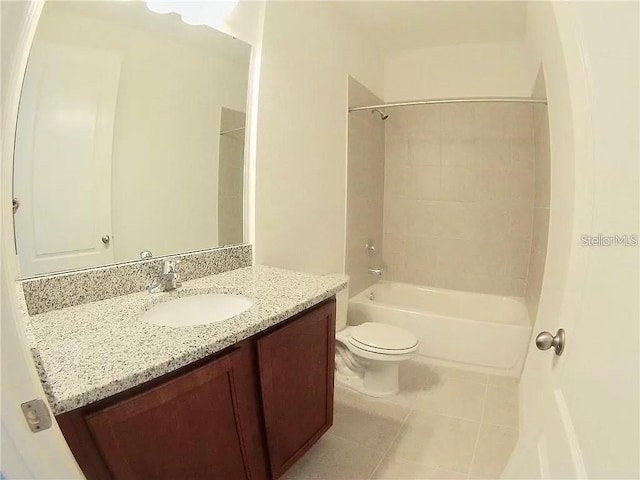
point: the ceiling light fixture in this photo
(211, 13)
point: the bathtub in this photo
(460, 329)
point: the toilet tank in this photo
(342, 302)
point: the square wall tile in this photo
(458, 184)
(521, 224)
(522, 151)
(423, 118)
(424, 217)
(396, 178)
(540, 228)
(456, 221)
(522, 124)
(421, 260)
(490, 222)
(396, 149)
(517, 263)
(424, 148)
(493, 184)
(424, 183)
(493, 152)
(468, 177)
(457, 120)
(396, 214)
(493, 120)
(457, 151)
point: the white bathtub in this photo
(469, 330)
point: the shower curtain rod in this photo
(451, 100)
(232, 130)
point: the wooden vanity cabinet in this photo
(245, 413)
(296, 374)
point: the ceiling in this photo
(400, 25)
(136, 15)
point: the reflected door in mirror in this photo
(63, 159)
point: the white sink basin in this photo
(197, 310)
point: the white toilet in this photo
(368, 355)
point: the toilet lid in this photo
(382, 337)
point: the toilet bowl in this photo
(368, 356)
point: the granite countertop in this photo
(89, 352)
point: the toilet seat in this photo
(368, 357)
(383, 339)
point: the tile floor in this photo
(444, 424)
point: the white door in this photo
(23, 455)
(581, 409)
(63, 159)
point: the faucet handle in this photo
(169, 265)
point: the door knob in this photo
(106, 239)
(544, 341)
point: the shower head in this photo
(383, 115)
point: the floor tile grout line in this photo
(412, 407)
(406, 418)
(388, 449)
(471, 420)
(475, 448)
(503, 425)
(453, 376)
(348, 440)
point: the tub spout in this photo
(375, 271)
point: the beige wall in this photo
(459, 193)
(485, 69)
(540, 232)
(307, 54)
(365, 188)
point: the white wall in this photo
(483, 69)
(307, 54)
(165, 148)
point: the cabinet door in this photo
(192, 427)
(296, 372)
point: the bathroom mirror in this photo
(130, 138)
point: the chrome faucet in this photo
(375, 271)
(168, 278)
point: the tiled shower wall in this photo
(540, 209)
(459, 196)
(365, 188)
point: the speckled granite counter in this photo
(92, 351)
